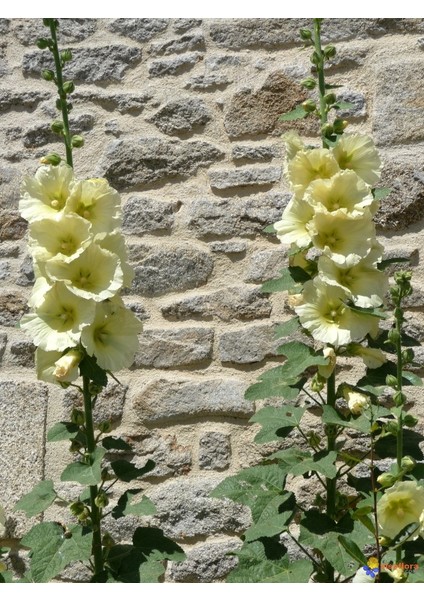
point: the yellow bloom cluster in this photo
(80, 263)
(331, 211)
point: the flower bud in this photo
(391, 427)
(309, 106)
(66, 364)
(329, 51)
(66, 55)
(77, 141)
(327, 130)
(408, 463)
(339, 125)
(107, 540)
(68, 87)
(69, 106)
(386, 479)
(101, 500)
(399, 399)
(106, 475)
(403, 277)
(42, 43)
(409, 421)
(57, 127)
(105, 427)
(356, 401)
(47, 22)
(392, 381)
(47, 74)
(51, 159)
(314, 439)
(393, 336)
(75, 446)
(305, 34)
(95, 389)
(77, 508)
(309, 83)
(315, 59)
(398, 313)
(326, 370)
(330, 98)
(384, 541)
(77, 417)
(408, 355)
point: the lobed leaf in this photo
(124, 507)
(62, 431)
(297, 113)
(127, 471)
(86, 474)
(38, 500)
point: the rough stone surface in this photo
(186, 43)
(405, 204)
(225, 179)
(214, 451)
(12, 307)
(203, 83)
(139, 309)
(399, 116)
(252, 113)
(41, 134)
(26, 272)
(254, 153)
(235, 302)
(410, 255)
(149, 160)
(183, 25)
(185, 510)
(359, 109)
(181, 116)
(109, 405)
(12, 226)
(167, 401)
(23, 354)
(10, 183)
(91, 65)
(248, 345)
(161, 348)
(146, 215)
(140, 30)
(18, 100)
(241, 217)
(229, 247)
(206, 563)
(3, 342)
(170, 456)
(124, 103)
(170, 269)
(70, 30)
(265, 265)
(174, 66)
(22, 418)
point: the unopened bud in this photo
(309, 106)
(329, 51)
(47, 74)
(386, 479)
(391, 381)
(309, 83)
(315, 59)
(77, 416)
(399, 399)
(314, 439)
(392, 427)
(66, 55)
(305, 34)
(393, 336)
(42, 43)
(317, 383)
(384, 541)
(339, 125)
(68, 87)
(95, 389)
(47, 22)
(101, 500)
(408, 463)
(77, 141)
(330, 98)
(75, 446)
(409, 421)
(57, 127)
(51, 159)
(105, 427)
(408, 355)
(327, 130)
(403, 277)
(77, 508)
(106, 475)
(107, 540)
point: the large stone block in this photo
(174, 268)
(170, 455)
(206, 563)
(70, 30)
(12, 226)
(10, 185)
(185, 510)
(203, 83)
(248, 345)
(214, 450)
(162, 348)
(19, 100)
(254, 176)
(181, 116)
(186, 43)
(41, 134)
(237, 302)
(123, 103)
(242, 152)
(183, 25)
(109, 404)
(12, 308)
(99, 64)
(146, 215)
(3, 343)
(140, 30)
(175, 401)
(174, 66)
(22, 353)
(145, 161)
(265, 265)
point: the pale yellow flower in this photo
(292, 228)
(345, 191)
(112, 337)
(66, 237)
(59, 319)
(47, 193)
(100, 204)
(95, 274)
(356, 401)
(56, 367)
(326, 370)
(361, 280)
(372, 357)
(400, 505)
(293, 144)
(115, 243)
(308, 165)
(357, 152)
(325, 315)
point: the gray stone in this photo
(175, 401)
(416, 299)
(4, 26)
(41, 133)
(183, 25)
(359, 108)
(140, 30)
(124, 103)
(222, 61)
(146, 215)
(214, 451)
(150, 160)
(9, 250)
(169, 455)
(26, 272)
(253, 113)
(254, 153)
(265, 265)
(3, 342)
(10, 222)
(185, 510)
(181, 116)
(12, 226)
(186, 43)
(174, 66)
(18, 100)
(235, 302)
(22, 422)
(234, 217)
(204, 83)
(248, 345)
(162, 348)
(23, 354)
(160, 270)
(399, 117)
(12, 308)
(4, 269)
(228, 247)
(405, 204)
(99, 64)
(109, 404)
(206, 563)
(226, 179)
(70, 30)
(139, 310)
(404, 254)
(348, 57)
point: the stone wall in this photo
(181, 115)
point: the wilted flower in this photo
(356, 402)
(401, 505)
(357, 152)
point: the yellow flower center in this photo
(54, 203)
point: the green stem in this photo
(321, 78)
(399, 368)
(331, 446)
(95, 510)
(62, 94)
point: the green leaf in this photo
(331, 417)
(300, 357)
(377, 377)
(270, 522)
(151, 571)
(298, 113)
(52, 551)
(291, 279)
(112, 443)
(412, 378)
(343, 105)
(62, 431)
(287, 328)
(273, 385)
(127, 471)
(124, 507)
(352, 549)
(299, 462)
(38, 500)
(269, 229)
(380, 193)
(86, 474)
(89, 368)
(275, 420)
(370, 312)
(153, 543)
